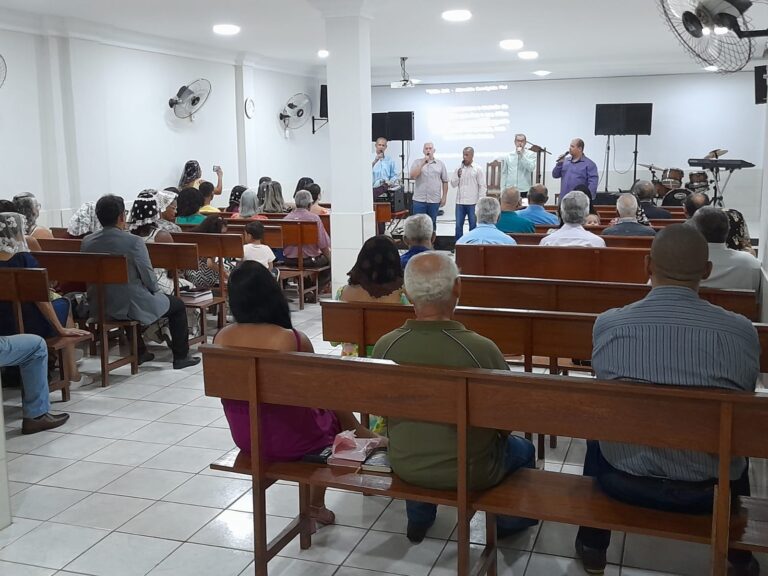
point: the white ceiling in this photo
(591, 38)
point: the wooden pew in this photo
(516, 332)
(30, 285)
(324, 218)
(610, 241)
(678, 212)
(582, 296)
(567, 263)
(715, 421)
(218, 247)
(59, 232)
(98, 270)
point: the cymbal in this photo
(716, 153)
(651, 167)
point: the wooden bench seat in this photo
(719, 422)
(30, 285)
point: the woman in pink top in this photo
(263, 321)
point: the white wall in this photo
(269, 152)
(692, 115)
(82, 118)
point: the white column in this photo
(347, 33)
(763, 238)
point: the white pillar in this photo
(347, 33)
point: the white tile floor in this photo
(124, 489)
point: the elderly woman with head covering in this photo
(45, 319)
(166, 208)
(249, 206)
(144, 223)
(234, 198)
(84, 221)
(27, 205)
(192, 176)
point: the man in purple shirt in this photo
(574, 168)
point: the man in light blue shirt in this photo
(536, 213)
(517, 167)
(384, 171)
(487, 210)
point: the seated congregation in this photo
(672, 338)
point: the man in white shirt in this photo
(517, 167)
(574, 209)
(731, 269)
(469, 181)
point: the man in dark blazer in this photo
(645, 193)
(140, 299)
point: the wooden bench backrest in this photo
(297, 384)
(18, 285)
(212, 245)
(91, 268)
(59, 232)
(660, 416)
(582, 296)
(527, 332)
(567, 263)
(610, 241)
(677, 212)
(324, 218)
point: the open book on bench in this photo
(195, 294)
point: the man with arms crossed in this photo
(431, 187)
(425, 454)
(469, 181)
(670, 337)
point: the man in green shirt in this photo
(422, 453)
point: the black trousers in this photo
(177, 324)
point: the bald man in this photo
(431, 184)
(627, 224)
(670, 337)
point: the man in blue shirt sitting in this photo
(486, 232)
(536, 213)
(509, 221)
(418, 235)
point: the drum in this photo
(675, 197)
(672, 178)
(697, 180)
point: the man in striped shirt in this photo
(670, 337)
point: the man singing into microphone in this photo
(574, 168)
(383, 167)
(431, 186)
(517, 168)
(469, 181)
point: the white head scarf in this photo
(12, 226)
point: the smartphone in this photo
(216, 168)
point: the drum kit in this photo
(670, 187)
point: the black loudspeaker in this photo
(400, 126)
(621, 119)
(761, 86)
(323, 101)
(378, 126)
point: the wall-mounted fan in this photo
(715, 32)
(296, 112)
(189, 99)
(3, 71)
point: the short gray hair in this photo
(303, 199)
(644, 190)
(574, 208)
(713, 223)
(249, 203)
(511, 196)
(626, 205)
(488, 210)
(418, 229)
(433, 286)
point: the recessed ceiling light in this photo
(711, 68)
(457, 15)
(542, 73)
(226, 29)
(528, 55)
(511, 44)
(323, 53)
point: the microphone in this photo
(563, 155)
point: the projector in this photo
(411, 83)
